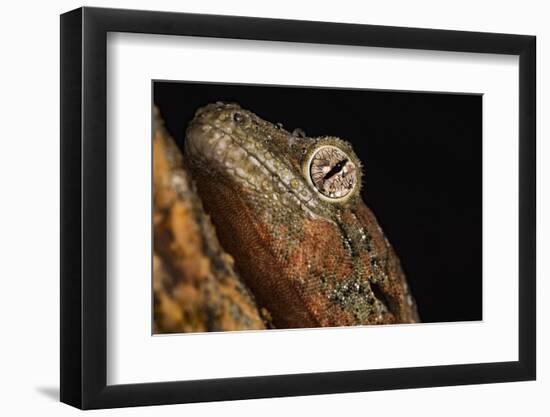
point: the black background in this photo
(422, 154)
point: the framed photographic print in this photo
(258, 208)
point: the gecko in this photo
(288, 208)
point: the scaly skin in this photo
(310, 260)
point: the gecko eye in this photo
(332, 172)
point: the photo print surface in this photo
(278, 207)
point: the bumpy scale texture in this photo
(309, 259)
(195, 285)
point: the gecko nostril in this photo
(238, 117)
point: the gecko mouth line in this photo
(242, 161)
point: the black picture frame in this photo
(84, 207)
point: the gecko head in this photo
(277, 169)
(288, 209)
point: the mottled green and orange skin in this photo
(309, 261)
